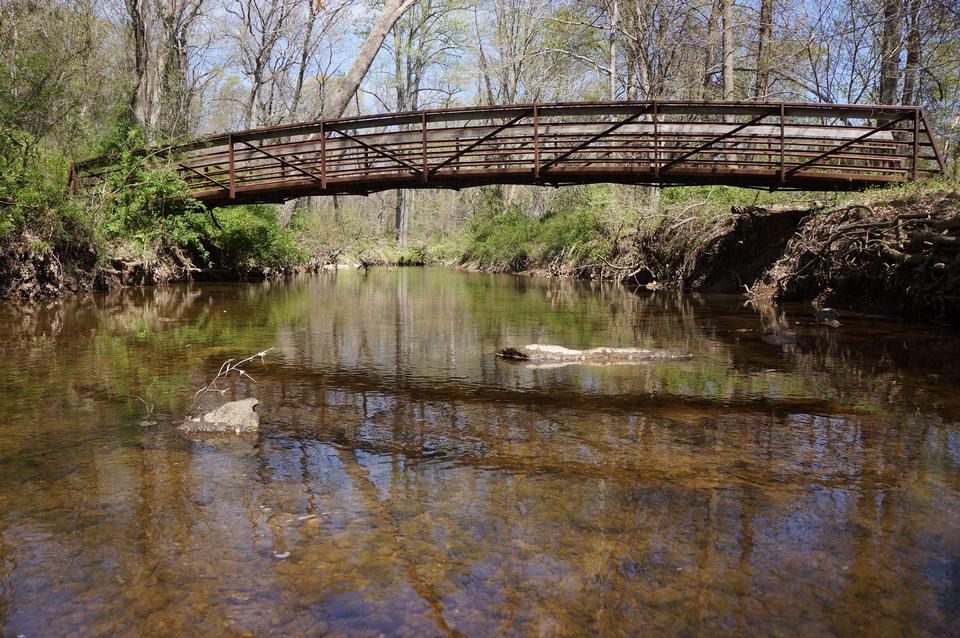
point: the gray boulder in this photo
(236, 417)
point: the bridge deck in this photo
(763, 145)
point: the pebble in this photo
(282, 556)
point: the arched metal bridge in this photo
(762, 145)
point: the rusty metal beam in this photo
(206, 177)
(309, 174)
(480, 141)
(380, 151)
(933, 142)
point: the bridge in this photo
(811, 146)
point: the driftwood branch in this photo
(227, 368)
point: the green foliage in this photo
(147, 201)
(510, 240)
(56, 77)
(32, 181)
(251, 236)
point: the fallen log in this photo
(558, 354)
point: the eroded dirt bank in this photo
(897, 256)
(33, 269)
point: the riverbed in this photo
(789, 479)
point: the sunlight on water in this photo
(790, 478)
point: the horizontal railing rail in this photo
(760, 145)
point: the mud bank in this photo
(32, 269)
(883, 254)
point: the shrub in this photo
(251, 235)
(147, 201)
(509, 240)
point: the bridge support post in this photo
(323, 156)
(916, 144)
(423, 143)
(656, 143)
(233, 173)
(783, 167)
(536, 142)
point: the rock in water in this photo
(235, 417)
(828, 316)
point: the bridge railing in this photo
(768, 145)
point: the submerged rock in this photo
(828, 316)
(544, 353)
(235, 417)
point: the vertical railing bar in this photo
(323, 156)
(423, 143)
(233, 174)
(536, 141)
(916, 142)
(656, 143)
(783, 167)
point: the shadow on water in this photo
(790, 478)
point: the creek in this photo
(789, 478)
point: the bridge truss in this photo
(762, 145)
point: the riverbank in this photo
(894, 252)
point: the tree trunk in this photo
(401, 216)
(709, 52)
(890, 46)
(911, 73)
(392, 11)
(614, 25)
(144, 101)
(162, 94)
(765, 33)
(727, 49)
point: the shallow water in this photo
(790, 479)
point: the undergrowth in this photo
(508, 240)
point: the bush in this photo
(251, 236)
(147, 202)
(32, 181)
(509, 240)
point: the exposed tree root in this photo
(894, 257)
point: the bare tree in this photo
(761, 88)
(261, 28)
(392, 11)
(727, 49)
(418, 41)
(911, 72)
(891, 45)
(164, 91)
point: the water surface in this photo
(790, 479)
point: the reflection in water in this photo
(407, 483)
